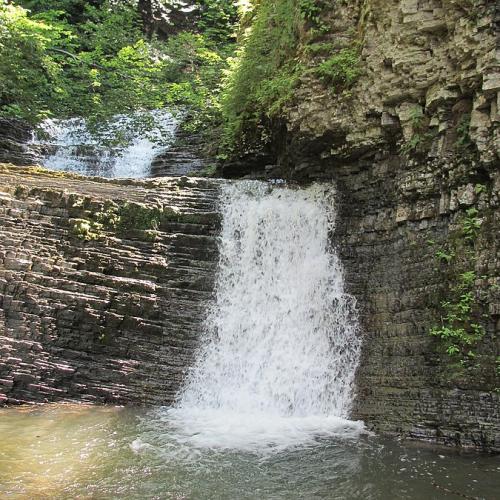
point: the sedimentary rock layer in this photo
(14, 138)
(94, 307)
(413, 147)
(392, 225)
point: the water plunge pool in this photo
(79, 451)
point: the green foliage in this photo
(208, 171)
(29, 75)
(87, 230)
(459, 331)
(416, 117)
(444, 256)
(129, 219)
(138, 217)
(463, 136)
(479, 188)
(96, 69)
(90, 59)
(120, 219)
(412, 144)
(218, 19)
(342, 69)
(311, 10)
(422, 137)
(193, 77)
(319, 48)
(267, 68)
(74, 10)
(471, 224)
(286, 43)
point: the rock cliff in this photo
(413, 146)
(103, 285)
(429, 74)
(14, 138)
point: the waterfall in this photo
(277, 365)
(70, 146)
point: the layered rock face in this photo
(436, 62)
(14, 138)
(413, 147)
(432, 75)
(184, 157)
(103, 285)
(394, 224)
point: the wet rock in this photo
(111, 319)
(14, 138)
(187, 155)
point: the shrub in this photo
(266, 69)
(342, 69)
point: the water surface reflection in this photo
(77, 451)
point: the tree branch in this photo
(91, 64)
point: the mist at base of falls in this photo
(276, 365)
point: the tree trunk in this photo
(146, 11)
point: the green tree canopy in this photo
(92, 59)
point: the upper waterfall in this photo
(281, 348)
(70, 146)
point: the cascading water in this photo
(68, 145)
(277, 365)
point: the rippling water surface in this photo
(69, 452)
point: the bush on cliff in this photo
(266, 70)
(286, 43)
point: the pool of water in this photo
(82, 452)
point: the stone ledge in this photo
(115, 319)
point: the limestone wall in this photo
(412, 146)
(95, 308)
(391, 226)
(14, 138)
(440, 58)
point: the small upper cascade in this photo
(69, 145)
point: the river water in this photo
(83, 452)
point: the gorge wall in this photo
(103, 285)
(14, 138)
(413, 147)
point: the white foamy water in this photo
(69, 146)
(277, 365)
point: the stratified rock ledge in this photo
(108, 315)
